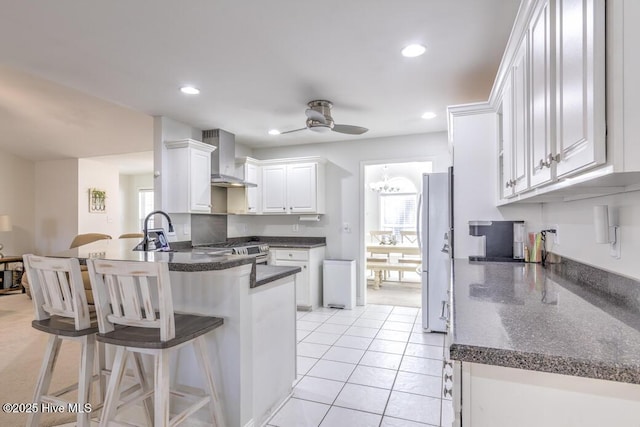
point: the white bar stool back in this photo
(136, 297)
(61, 310)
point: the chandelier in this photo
(384, 186)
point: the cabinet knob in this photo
(284, 209)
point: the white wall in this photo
(18, 201)
(576, 227)
(344, 187)
(94, 174)
(56, 205)
(130, 185)
(166, 129)
(475, 169)
(475, 192)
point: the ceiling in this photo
(257, 64)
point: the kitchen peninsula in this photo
(254, 352)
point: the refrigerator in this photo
(435, 238)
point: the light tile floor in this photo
(371, 366)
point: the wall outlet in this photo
(556, 236)
(295, 227)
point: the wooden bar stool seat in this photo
(135, 314)
(61, 310)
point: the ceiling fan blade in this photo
(316, 115)
(291, 131)
(351, 130)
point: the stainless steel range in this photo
(258, 250)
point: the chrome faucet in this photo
(144, 245)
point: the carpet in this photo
(21, 352)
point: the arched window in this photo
(398, 210)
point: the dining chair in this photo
(130, 319)
(130, 235)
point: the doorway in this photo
(390, 245)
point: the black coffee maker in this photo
(503, 240)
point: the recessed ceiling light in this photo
(189, 90)
(274, 132)
(413, 50)
(429, 115)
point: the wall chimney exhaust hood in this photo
(223, 160)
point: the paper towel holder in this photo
(604, 231)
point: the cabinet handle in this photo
(444, 315)
(542, 164)
(551, 158)
(447, 391)
(304, 267)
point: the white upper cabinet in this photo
(293, 187)
(302, 187)
(514, 126)
(274, 189)
(567, 88)
(505, 114)
(520, 117)
(252, 174)
(246, 200)
(189, 171)
(580, 89)
(540, 71)
(551, 98)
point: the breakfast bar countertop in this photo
(525, 316)
(122, 249)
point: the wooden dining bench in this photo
(379, 267)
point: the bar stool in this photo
(128, 319)
(61, 310)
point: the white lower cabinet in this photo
(309, 280)
(493, 396)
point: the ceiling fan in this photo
(319, 120)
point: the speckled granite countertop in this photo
(270, 273)
(188, 260)
(525, 316)
(285, 241)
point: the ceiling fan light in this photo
(274, 132)
(413, 50)
(429, 115)
(189, 90)
(321, 128)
